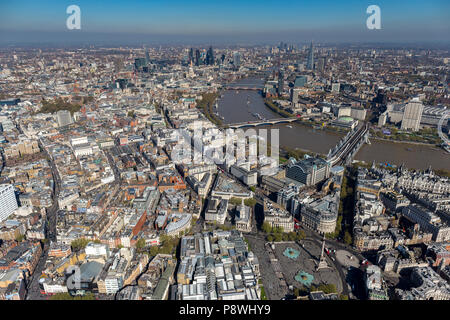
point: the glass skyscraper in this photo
(8, 202)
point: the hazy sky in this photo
(224, 21)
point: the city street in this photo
(33, 291)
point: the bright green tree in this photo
(250, 202)
(278, 229)
(140, 244)
(301, 235)
(153, 250)
(236, 201)
(278, 237)
(79, 244)
(292, 236)
(348, 238)
(266, 227)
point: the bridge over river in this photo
(243, 86)
(260, 123)
(346, 149)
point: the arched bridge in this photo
(242, 86)
(261, 123)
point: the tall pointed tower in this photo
(322, 262)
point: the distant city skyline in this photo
(268, 21)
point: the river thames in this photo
(245, 105)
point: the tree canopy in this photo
(235, 201)
(325, 287)
(79, 244)
(57, 105)
(250, 202)
(348, 238)
(266, 227)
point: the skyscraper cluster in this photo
(210, 56)
(200, 58)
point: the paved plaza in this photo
(306, 261)
(274, 288)
(346, 259)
